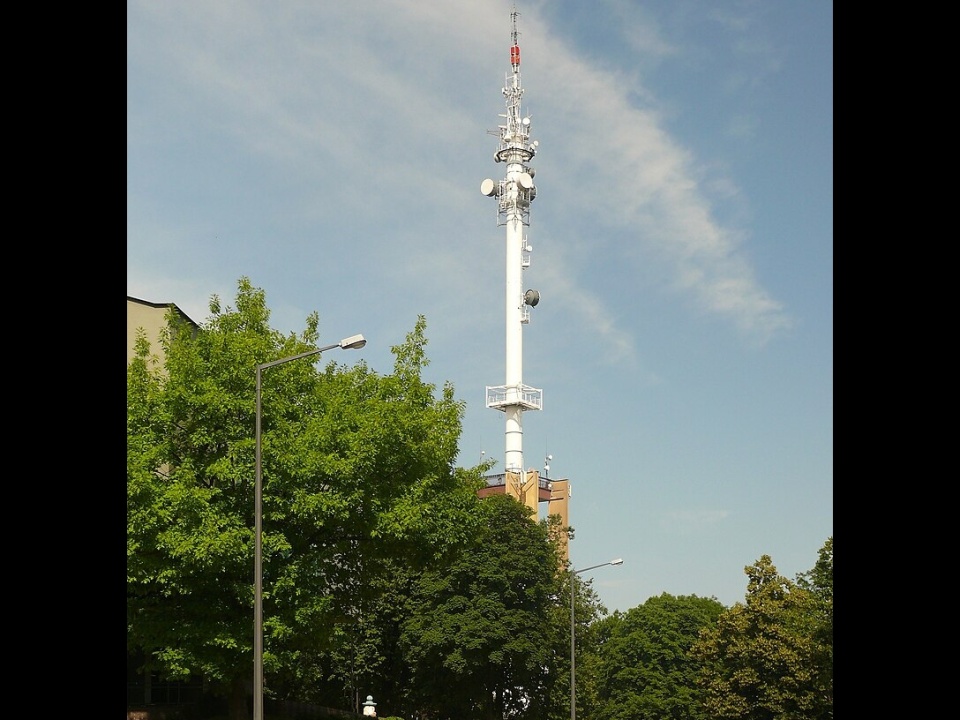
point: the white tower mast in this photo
(514, 194)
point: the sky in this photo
(682, 237)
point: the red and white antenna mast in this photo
(513, 194)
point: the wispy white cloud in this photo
(627, 171)
(359, 102)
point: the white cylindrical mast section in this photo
(513, 455)
(514, 194)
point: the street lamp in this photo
(350, 343)
(573, 661)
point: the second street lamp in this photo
(573, 643)
(351, 343)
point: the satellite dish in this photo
(488, 187)
(531, 298)
(526, 182)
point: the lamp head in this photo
(618, 561)
(353, 342)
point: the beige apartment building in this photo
(152, 317)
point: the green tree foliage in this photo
(645, 669)
(764, 659)
(358, 477)
(819, 581)
(477, 637)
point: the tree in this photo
(478, 638)
(819, 582)
(762, 660)
(645, 669)
(357, 473)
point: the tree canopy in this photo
(358, 473)
(645, 669)
(770, 657)
(478, 636)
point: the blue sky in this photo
(682, 238)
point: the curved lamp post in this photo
(351, 343)
(573, 662)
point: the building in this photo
(152, 317)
